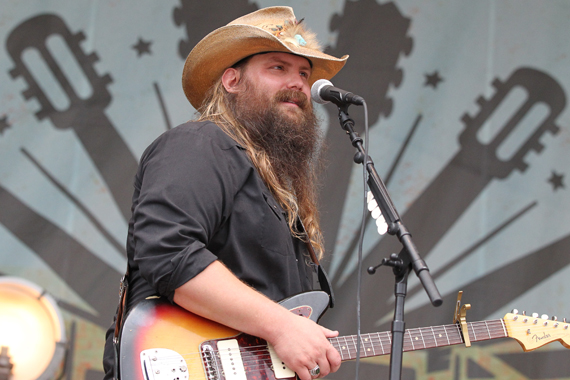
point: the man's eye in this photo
(304, 75)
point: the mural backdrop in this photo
(469, 130)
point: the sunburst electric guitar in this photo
(163, 341)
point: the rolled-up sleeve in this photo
(186, 183)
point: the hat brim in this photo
(228, 45)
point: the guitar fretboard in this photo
(376, 344)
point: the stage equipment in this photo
(32, 329)
(409, 258)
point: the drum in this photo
(32, 329)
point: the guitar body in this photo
(164, 341)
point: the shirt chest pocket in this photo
(275, 235)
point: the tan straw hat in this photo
(266, 30)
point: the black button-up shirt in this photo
(198, 199)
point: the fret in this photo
(498, 327)
(505, 334)
(472, 334)
(489, 326)
(336, 345)
(388, 341)
(370, 350)
(355, 346)
(458, 332)
(488, 331)
(408, 333)
(439, 338)
(446, 335)
(416, 338)
(381, 344)
(372, 345)
(422, 335)
(340, 349)
(345, 347)
(434, 337)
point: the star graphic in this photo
(4, 124)
(142, 47)
(433, 79)
(556, 180)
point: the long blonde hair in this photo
(216, 108)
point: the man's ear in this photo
(231, 80)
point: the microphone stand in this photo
(403, 262)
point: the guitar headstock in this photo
(532, 331)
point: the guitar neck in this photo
(376, 344)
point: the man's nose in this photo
(295, 82)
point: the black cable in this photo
(361, 239)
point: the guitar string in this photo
(478, 331)
(374, 340)
(476, 328)
(258, 364)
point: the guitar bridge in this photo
(210, 362)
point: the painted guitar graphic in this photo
(101, 140)
(163, 341)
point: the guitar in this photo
(163, 341)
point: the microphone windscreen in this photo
(316, 91)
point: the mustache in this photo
(297, 97)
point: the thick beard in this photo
(291, 138)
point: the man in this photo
(224, 206)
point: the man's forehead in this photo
(285, 58)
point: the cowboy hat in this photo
(273, 29)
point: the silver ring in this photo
(315, 371)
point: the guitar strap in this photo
(124, 286)
(322, 276)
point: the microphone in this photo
(323, 92)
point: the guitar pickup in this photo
(232, 363)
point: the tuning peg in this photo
(535, 315)
(524, 313)
(554, 318)
(514, 311)
(544, 316)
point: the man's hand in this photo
(302, 345)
